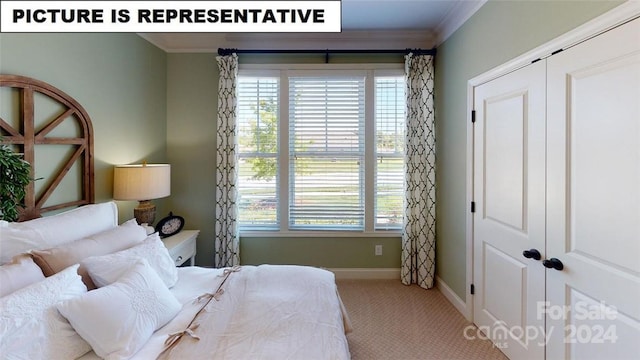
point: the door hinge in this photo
(473, 116)
(472, 289)
(473, 206)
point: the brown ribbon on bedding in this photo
(174, 338)
(208, 296)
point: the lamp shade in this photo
(141, 182)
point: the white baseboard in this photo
(366, 273)
(453, 298)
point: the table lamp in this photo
(142, 182)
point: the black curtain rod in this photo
(223, 52)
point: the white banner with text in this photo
(170, 16)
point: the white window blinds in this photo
(390, 134)
(326, 150)
(258, 115)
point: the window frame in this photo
(262, 227)
(284, 71)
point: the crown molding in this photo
(361, 39)
(456, 17)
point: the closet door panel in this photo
(593, 197)
(509, 168)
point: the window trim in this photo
(320, 233)
(284, 71)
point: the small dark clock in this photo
(170, 225)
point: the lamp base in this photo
(145, 212)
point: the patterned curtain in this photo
(419, 235)
(227, 242)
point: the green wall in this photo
(191, 140)
(498, 32)
(120, 80)
(329, 252)
(192, 104)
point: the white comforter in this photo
(265, 312)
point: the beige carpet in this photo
(394, 321)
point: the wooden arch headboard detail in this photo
(27, 137)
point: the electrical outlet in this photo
(378, 250)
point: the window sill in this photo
(321, 234)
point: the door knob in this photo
(553, 263)
(531, 254)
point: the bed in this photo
(246, 312)
(79, 285)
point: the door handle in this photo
(532, 254)
(553, 263)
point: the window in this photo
(258, 154)
(390, 132)
(326, 152)
(321, 150)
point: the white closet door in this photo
(509, 176)
(593, 197)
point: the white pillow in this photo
(106, 269)
(32, 327)
(16, 239)
(118, 319)
(50, 231)
(119, 238)
(19, 274)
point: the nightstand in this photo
(182, 246)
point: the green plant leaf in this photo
(15, 177)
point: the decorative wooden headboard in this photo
(28, 130)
